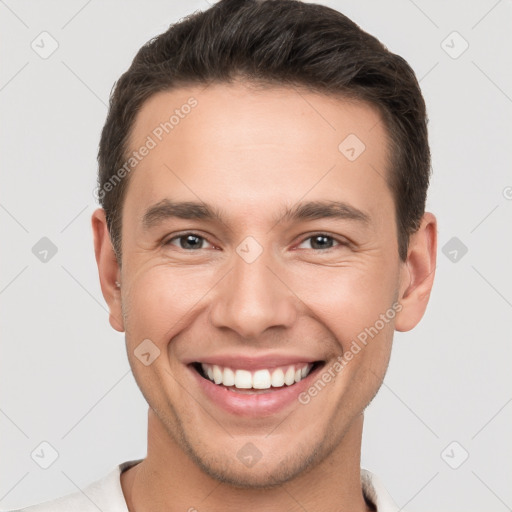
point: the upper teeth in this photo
(259, 379)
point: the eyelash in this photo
(341, 243)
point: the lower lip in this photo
(252, 405)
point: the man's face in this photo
(254, 292)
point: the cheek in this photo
(160, 299)
(347, 299)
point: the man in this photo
(262, 174)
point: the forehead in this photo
(238, 145)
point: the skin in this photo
(251, 153)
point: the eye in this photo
(321, 241)
(187, 241)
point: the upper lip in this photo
(252, 363)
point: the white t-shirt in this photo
(107, 494)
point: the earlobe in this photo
(108, 268)
(417, 275)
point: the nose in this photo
(253, 297)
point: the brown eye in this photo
(321, 242)
(187, 241)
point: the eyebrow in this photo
(192, 210)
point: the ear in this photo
(417, 274)
(108, 268)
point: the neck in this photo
(167, 479)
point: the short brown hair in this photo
(275, 42)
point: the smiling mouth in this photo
(258, 381)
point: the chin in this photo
(265, 473)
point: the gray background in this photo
(64, 373)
